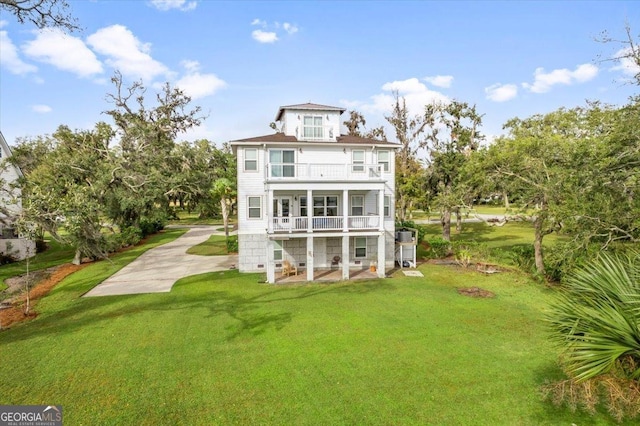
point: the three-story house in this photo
(315, 199)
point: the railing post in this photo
(345, 210)
(309, 210)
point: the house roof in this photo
(5, 148)
(308, 106)
(342, 139)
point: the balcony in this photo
(324, 223)
(324, 172)
(316, 133)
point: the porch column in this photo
(310, 258)
(269, 210)
(345, 257)
(381, 255)
(381, 209)
(271, 265)
(310, 212)
(345, 210)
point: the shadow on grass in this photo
(254, 308)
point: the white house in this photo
(10, 207)
(314, 198)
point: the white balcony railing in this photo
(310, 172)
(316, 133)
(323, 223)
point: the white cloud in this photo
(440, 80)
(543, 82)
(264, 36)
(64, 52)
(415, 93)
(290, 28)
(9, 58)
(501, 92)
(43, 109)
(626, 64)
(165, 5)
(269, 32)
(198, 85)
(126, 53)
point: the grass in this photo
(216, 245)
(56, 254)
(222, 349)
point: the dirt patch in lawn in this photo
(12, 307)
(475, 292)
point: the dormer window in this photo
(312, 127)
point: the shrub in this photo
(232, 244)
(439, 248)
(523, 257)
(152, 225)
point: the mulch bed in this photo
(15, 312)
(475, 292)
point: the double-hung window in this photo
(277, 250)
(357, 205)
(387, 206)
(312, 127)
(357, 158)
(325, 206)
(303, 206)
(250, 159)
(360, 247)
(383, 160)
(254, 207)
(282, 162)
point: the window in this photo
(312, 127)
(357, 205)
(254, 207)
(277, 250)
(250, 160)
(282, 162)
(387, 206)
(360, 245)
(325, 206)
(303, 206)
(383, 160)
(357, 158)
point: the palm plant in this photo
(597, 319)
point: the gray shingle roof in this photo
(308, 106)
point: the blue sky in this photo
(241, 60)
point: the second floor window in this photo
(254, 207)
(282, 162)
(250, 160)
(357, 205)
(312, 127)
(325, 206)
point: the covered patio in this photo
(329, 275)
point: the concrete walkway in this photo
(157, 269)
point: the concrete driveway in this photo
(157, 269)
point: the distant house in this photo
(10, 207)
(311, 200)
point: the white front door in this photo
(281, 212)
(320, 252)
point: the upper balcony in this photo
(316, 133)
(293, 172)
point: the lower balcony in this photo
(324, 223)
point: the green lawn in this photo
(56, 254)
(216, 245)
(221, 348)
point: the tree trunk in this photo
(505, 196)
(77, 259)
(446, 224)
(458, 221)
(224, 207)
(537, 244)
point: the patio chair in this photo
(288, 269)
